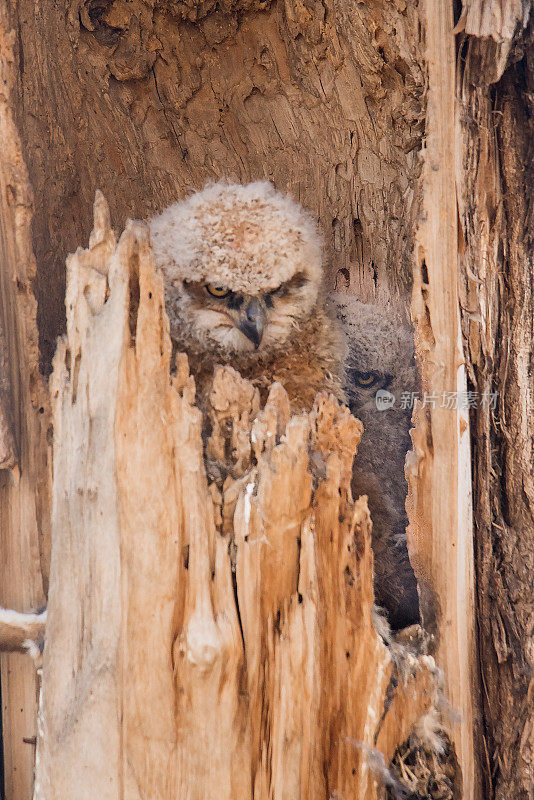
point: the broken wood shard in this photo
(203, 640)
(7, 445)
(22, 632)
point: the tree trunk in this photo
(200, 644)
(495, 160)
(24, 479)
(146, 100)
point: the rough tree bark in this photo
(495, 81)
(24, 479)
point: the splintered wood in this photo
(209, 622)
(439, 502)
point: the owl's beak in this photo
(252, 321)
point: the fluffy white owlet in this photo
(242, 267)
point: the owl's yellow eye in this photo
(217, 291)
(365, 379)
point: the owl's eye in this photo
(296, 282)
(269, 302)
(365, 379)
(217, 291)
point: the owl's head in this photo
(380, 354)
(241, 265)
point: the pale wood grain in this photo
(439, 502)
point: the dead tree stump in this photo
(202, 642)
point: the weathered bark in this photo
(496, 201)
(24, 500)
(202, 645)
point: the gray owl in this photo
(380, 367)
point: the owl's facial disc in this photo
(239, 322)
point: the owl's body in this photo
(381, 357)
(242, 267)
